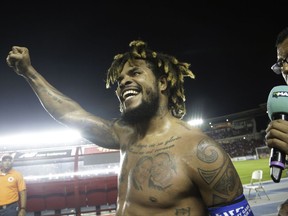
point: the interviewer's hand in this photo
(277, 135)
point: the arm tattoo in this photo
(222, 179)
(206, 151)
(55, 95)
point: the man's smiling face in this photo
(137, 90)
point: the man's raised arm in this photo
(62, 108)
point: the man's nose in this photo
(125, 81)
(285, 69)
(285, 72)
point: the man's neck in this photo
(157, 124)
(5, 171)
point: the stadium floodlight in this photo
(195, 122)
(40, 139)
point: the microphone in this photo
(277, 108)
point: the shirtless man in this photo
(202, 179)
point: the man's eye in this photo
(280, 62)
(136, 72)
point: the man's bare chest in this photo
(152, 165)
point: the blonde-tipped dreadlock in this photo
(168, 65)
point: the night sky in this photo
(230, 45)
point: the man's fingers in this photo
(12, 58)
(10, 61)
(17, 49)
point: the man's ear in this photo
(163, 84)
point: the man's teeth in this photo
(128, 94)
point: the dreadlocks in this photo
(164, 64)
(282, 36)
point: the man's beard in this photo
(144, 112)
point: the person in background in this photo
(150, 87)
(277, 130)
(12, 189)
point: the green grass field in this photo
(245, 169)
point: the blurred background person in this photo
(12, 189)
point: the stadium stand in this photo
(60, 197)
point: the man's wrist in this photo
(23, 208)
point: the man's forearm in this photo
(23, 199)
(54, 102)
